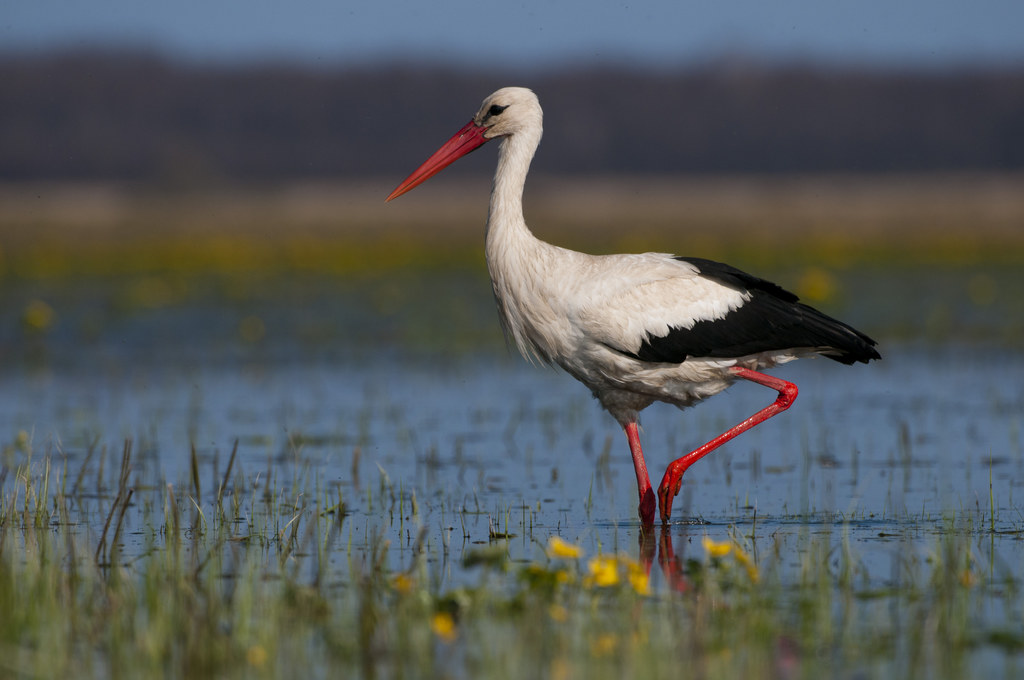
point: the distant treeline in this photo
(130, 116)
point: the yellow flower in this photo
(558, 613)
(563, 549)
(403, 583)
(38, 316)
(714, 549)
(744, 559)
(816, 284)
(638, 577)
(604, 572)
(443, 626)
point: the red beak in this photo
(470, 137)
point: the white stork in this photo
(635, 329)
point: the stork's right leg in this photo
(674, 474)
(643, 482)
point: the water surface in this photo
(398, 399)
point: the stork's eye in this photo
(496, 110)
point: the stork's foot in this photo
(647, 507)
(669, 489)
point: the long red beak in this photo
(470, 137)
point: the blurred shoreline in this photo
(838, 220)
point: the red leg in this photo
(643, 482)
(673, 478)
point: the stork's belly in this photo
(682, 385)
(624, 384)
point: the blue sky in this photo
(517, 33)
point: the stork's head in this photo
(506, 112)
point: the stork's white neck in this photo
(516, 259)
(505, 221)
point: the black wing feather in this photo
(773, 319)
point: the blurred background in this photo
(211, 92)
(172, 155)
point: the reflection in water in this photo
(670, 564)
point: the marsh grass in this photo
(257, 577)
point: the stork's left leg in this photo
(673, 478)
(643, 482)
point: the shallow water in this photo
(887, 456)
(359, 394)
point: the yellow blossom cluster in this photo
(559, 548)
(720, 549)
(610, 570)
(603, 571)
